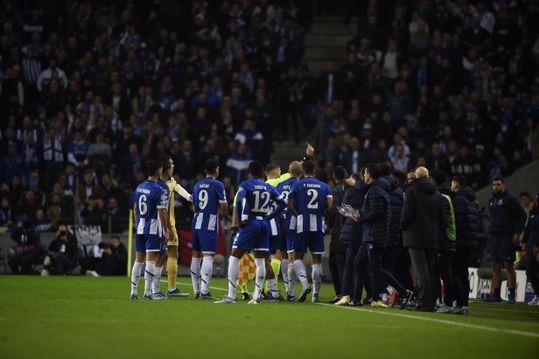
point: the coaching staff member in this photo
(422, 213)
(507, 220)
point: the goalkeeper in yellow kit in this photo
(173, 243)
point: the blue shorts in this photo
(149, 243)
(314, 241)
(204, 241)
(253, 236)
(289, 240)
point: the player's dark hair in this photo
(210, 166)
(399, 176)
(438, 176)
(339, 172)
(385, 169)
(165, 161)
(271, 167)
(373, 170)
(525, 194)
(153, 166)
(256, 169)
(498, 179)
(308, 167)
(461, 180)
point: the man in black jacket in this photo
(63, 250)
(531, 242)
(507, 219)
(337, 249)
(375, 215)
(351, 235)
(28, 249)
(422, 213)
(467, 225)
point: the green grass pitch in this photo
(84, 317)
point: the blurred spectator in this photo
(28, 250)
(63, 253)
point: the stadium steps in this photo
(326, 41)
(286, 152)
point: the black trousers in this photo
(348, 277)
(531, 272)
(25, 260)
(462, 281)
(371, 254)
(402, 268)
(444, 272)
(423, 262)
(63, 263)
(336, 267)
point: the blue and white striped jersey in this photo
(149, 197)
(208, 194)
(253, 200)
(310, 196)
(284, 188)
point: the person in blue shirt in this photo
(209, 201)
(308, 202)
(289, 232)
(150, 208)
(253, 211)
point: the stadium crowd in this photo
(91, 90)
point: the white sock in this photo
(260, 277)
(233, 272)
(301, 272)
(206, 271)
(156, 285)
(135, 275)
(284, 271)
(272, 286)
(148, 277)
(292, 279)
(195, 273)
(317, 277)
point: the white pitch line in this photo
(441, 321)
(409, 316)
(190, 285)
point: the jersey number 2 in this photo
(313, 194)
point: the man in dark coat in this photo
(337, 249)
(375, 215)
(422, 213)
(28, 249)
(507, 219)
(467, 224)
(350, 236)
(531, 241)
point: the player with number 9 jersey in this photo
(150, 197)
(208, 194)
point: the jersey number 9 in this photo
(202, 199)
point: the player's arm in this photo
(223, 205)
(329, 205)
(135, 212)
(279, 200)
(183, 192)
(292, 206)
(163, 217)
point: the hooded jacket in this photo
(376, 215)
(466, 218)
(396, 200)
(422, 213)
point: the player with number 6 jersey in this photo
(209, 200)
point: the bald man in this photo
(422, 213)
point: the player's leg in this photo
(261, 248)
(140, 255)
(243, 243)
(196, 262)
(154, 247)
(284, 262)
(292, 275)
(316, 246)
(511, 282)
(149, 271)
(209, 246)
(156, 286)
